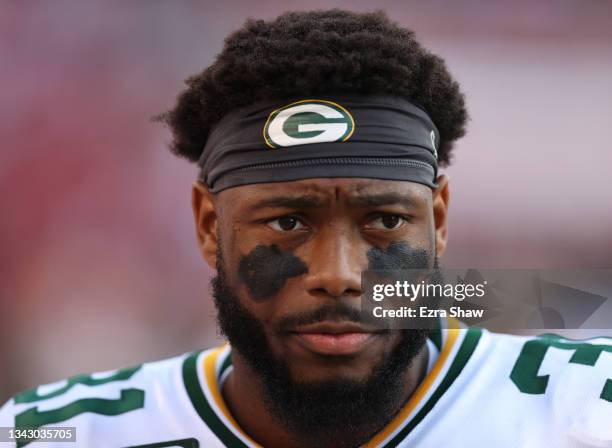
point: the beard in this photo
(334, 412)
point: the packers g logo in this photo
(308, 121)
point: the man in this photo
(319, 136)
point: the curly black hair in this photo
(316, 52)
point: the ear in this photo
(202, 202)
(440, 212)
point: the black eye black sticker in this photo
(266, 269)
(398, 255)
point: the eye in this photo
(286, 224)
(387, 222)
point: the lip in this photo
(334, 338)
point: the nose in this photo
(334, 265)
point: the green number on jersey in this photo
(32, 395)
(130, 399)
(525, 372)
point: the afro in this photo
(301, 54)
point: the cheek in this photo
(399, 255)
(265, 270)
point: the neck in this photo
(244, 393)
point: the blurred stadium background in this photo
(99, 267)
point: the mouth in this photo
(335, 338)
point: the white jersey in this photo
(482, 390)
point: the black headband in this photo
(369, 136)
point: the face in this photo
(289, 258)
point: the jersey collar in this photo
(203, 373)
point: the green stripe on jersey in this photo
(206, 412)
(435, 336)
(227, 362)
(468, 345)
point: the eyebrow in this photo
(375, 200)
(311, 201)
(299, 202)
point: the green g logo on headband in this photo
(306, 122)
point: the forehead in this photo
(327, 191)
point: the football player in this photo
(318, 136)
